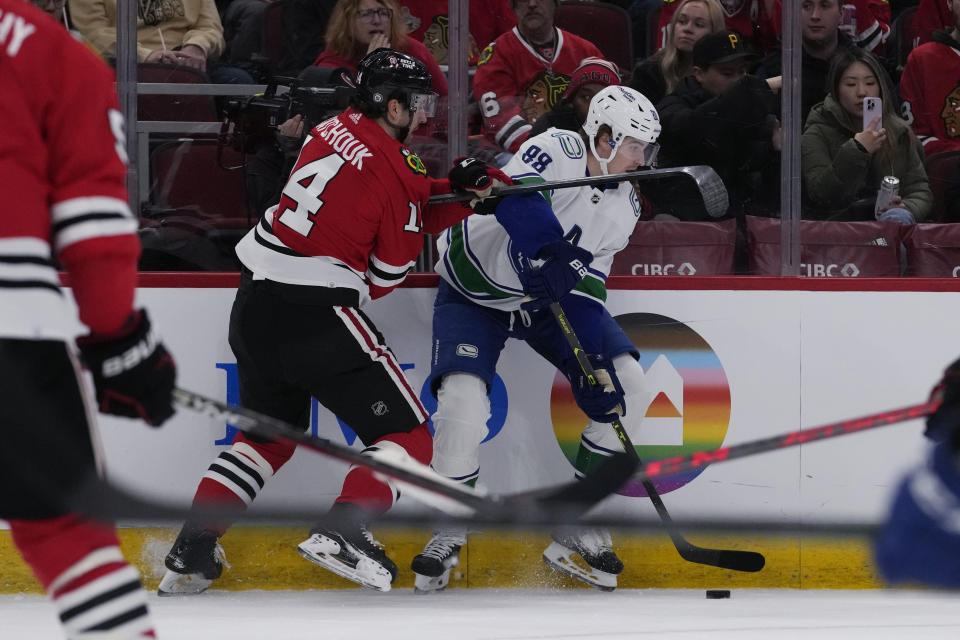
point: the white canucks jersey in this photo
(479, 259)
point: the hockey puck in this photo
(717, 594)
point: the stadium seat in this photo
(829, 249)
(182, 107)
(933, 250)
(943, 174)
(197, 210)
(678, 248)
(606, 25)
(187, 178)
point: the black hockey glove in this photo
(944, 423)
(604, 401)
(132, 372)
(478, 178)
(564, 267)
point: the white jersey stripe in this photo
(25, 246)
(67, 209)
(94, 228)
(229, 484)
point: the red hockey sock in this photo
(362, 489)
(83, 571)
(237, 475)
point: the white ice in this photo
(517, 614)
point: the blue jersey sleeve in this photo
(530, 222)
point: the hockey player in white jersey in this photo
(500, 272)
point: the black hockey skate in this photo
(432, 565)
(352, 554)
(195, 560)
(585, 555)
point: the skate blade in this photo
(182, 584)
(430, 584)
(561, 559)
(324, 552)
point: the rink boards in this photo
(727, 366)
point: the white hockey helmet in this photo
(628, 113)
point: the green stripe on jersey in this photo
(533, 180)
(594, 287)
(466, 273)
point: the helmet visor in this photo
(425, 103)
(643, 153)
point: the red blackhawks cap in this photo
(590, 71)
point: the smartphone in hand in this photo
(872, 109)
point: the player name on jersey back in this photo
(14, 30)
(343, 142)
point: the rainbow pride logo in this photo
(690, 410)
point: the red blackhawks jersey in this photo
(506, 69)
(930, 93)
(352, 214)
(930, 16)
(429, 23)
(62, 180)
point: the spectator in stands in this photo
(822, 38)
(722, 117)
(844, 163)
(358, 27)
(930, 88)
(570, 111)
(304, 34)
(931, 16)
(659, 74)
(510, 64)
(758, 21)
(427, 22)
(186, 33)
(52, 7)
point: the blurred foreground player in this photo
(920, 541)
(62, 172)
(348, 228)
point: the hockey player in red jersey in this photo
(511, 63)
(348, 228)
(930, 89)
(62, 175)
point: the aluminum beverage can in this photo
(889, 187)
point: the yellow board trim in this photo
(266, 558)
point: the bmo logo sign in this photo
(655, 269)
(818, 270)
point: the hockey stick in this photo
(680, 464)
(708, 184)
(418, 479)
(724, 558)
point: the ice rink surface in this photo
(516, 614)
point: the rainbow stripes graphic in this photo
(690, 410)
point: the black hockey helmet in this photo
(387, 74)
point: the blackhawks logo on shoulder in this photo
(413, 161)
(486, 54)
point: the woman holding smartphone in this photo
(846, 155)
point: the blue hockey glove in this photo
(602, 402)
(945, 421)
(920, 539)
(565, 267)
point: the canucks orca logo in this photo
(414, 161)
(486, 54)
